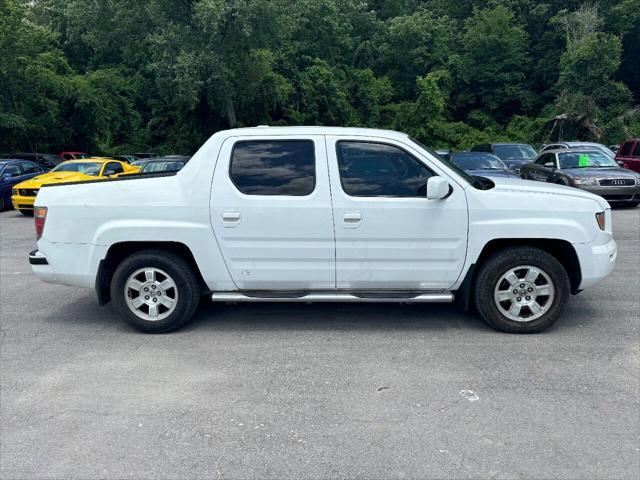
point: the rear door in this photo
(388, 235)
(625, 154)
(633, 162)
(271, 213)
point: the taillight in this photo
(40, 216)
(601, 220)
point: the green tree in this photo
(494, 64)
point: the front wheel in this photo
(521, 290)
(155, 291)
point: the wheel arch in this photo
(561, 250)
(121, 250)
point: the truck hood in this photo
(528, 188)
(57, 177)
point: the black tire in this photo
(26, 213)
(187, 289)
(497, 265)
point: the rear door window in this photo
(274, 167)
(28, 167)
(636, 151)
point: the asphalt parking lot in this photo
(316, 391)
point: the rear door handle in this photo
(231, 219)
(352, 219)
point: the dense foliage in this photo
(121, 75)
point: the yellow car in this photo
(24, 194)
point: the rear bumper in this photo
(37, 258)
(596, 262)
(67, 264)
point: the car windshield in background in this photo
(475, 182)
(88, 168)
(478, 162)
(514, 151)
(585, 159)
(155, 167)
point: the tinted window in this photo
(379, 170)
(482, 148)
(636, 151)
(514, 151)
(112, 168)
(549, 157)
(626, 149)
(479, 161)
(28, 167)
(12, 170)
(274, 167)
(162, 167)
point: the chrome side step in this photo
(435, 297)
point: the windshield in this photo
(602, 148)
(162, 167)
(585, 159)
(514, 151)
(474, 181)
(478, 162)
(88, 168)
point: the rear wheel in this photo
(155, 291)
(521, 290)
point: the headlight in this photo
(637, 180)
(585, 181)
(600, 218)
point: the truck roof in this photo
(315, 130)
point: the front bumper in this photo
(22, 203)
(596, 262)
(615, 194)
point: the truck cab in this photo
(318, 214)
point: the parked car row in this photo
(20, 180)
(585, 165)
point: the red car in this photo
(629, 154)
(74, 155)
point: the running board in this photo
(436, 297)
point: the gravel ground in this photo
(316, 391)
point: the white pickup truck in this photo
(323, 214)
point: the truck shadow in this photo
(331, 316)
(84, 312)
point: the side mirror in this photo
(621, 163)
(437, 188)
(550, 164)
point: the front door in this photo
(389, 236)
(271, 213)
